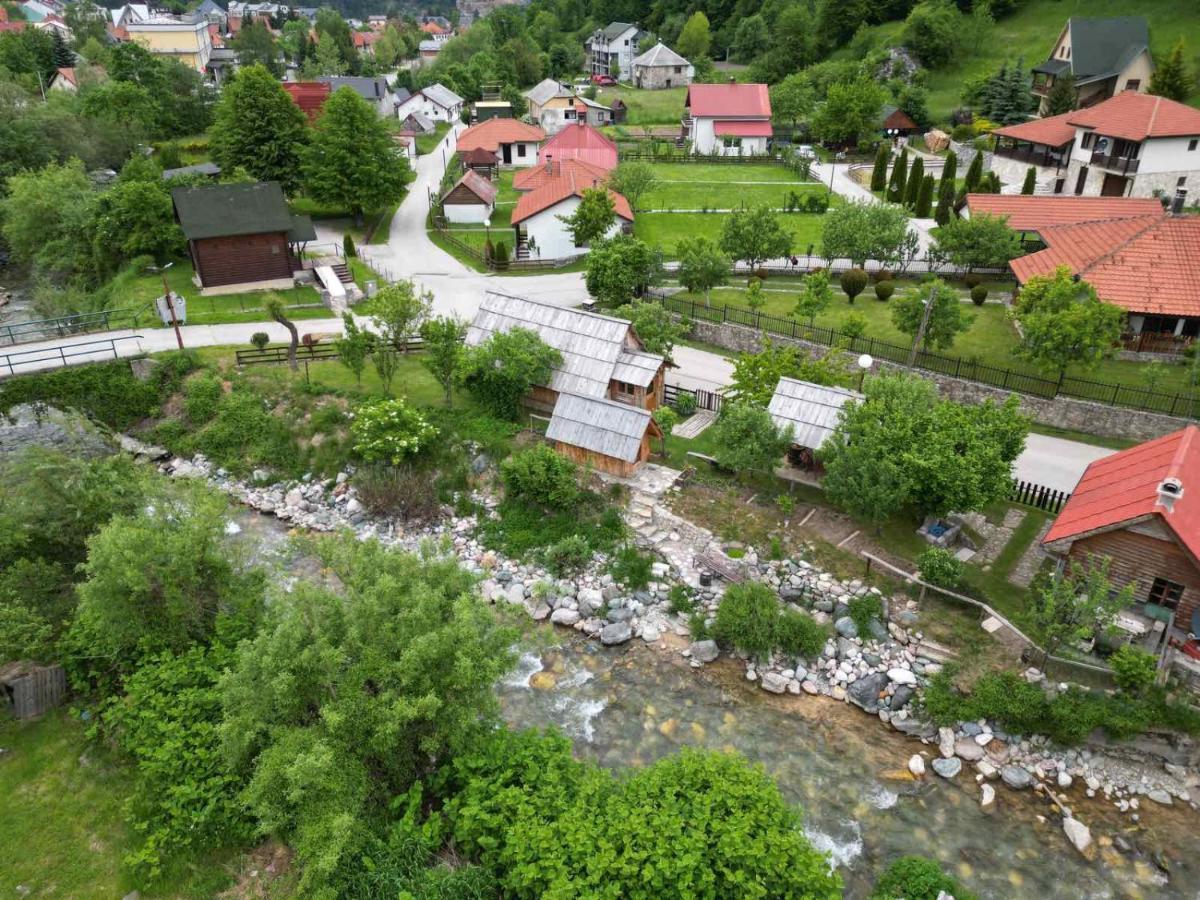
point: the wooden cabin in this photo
(241, 236)
(811, 411)
(607, 435)
(472, 199)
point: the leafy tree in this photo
(502, 370)
(933, 31)
(122, 103)
(332, 28)
(755, 234)
(702, 265)
(756, 375)
(1063, 95)
(620, 268)
(399, 310)
(325, 60)
(354, 347)
(837, 22)
(86, 23)
(946, 317)
(273, 304)
(1170, 78)
(792, 98)
(750, 39)
(1134, 669)
(946, 189)
(916, 177)
(899, 180)
(255, 45)
(850, 113)
(1075, 606)
(592, 218)
(816, 296)
(924, 198)
(541, 477)
(386, 361)
(695, 39)
(879, 171)
(754, 295)
(443, 345)
(1064, 323)
(132, 219)
(979, 242)
(343, 700)
(659, 330)
(259, 129)
(633, 180)
(747, 440)
(862, 231)
(352, 161)
(46, 216)
(918, 878)
(1030, 183)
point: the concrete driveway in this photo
(1056, 462)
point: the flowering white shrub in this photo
(390, 431)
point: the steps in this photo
(342, 271)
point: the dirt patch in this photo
(261, 871)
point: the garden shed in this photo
(812, 412)
(610, 437)
(472, 199)
(28, 689)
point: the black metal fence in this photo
(1129, 396)
(1038, 496)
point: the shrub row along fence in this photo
(315, 352)
(1182, 405)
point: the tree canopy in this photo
(1064, 323)
(754, 235)
(946, 320)
(862, 231)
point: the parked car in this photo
(603, 79)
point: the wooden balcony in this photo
(1124, 165)
(1155, 342)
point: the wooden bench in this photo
(712, 461)
(719, 567)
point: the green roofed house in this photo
(1104, 56)
(241, 236)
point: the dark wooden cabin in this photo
(241, 235)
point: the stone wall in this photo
(1061, 412)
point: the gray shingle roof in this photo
(372, 89)
(1103, 47)
(811, 410)
(226, 210)
(592, 346)
(442, 96)
(637, 367)
(602, 426)
(204, 168)
(615, 30)
(660, 55)
(546, 89)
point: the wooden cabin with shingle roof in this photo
(606, 435)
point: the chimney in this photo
(1170, 492)
(549, 165)
(1177, 204)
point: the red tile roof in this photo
(477, 185)
(1134, 117)
(729, 101)
(583, 142)
(536, 176)
(1146, 264)
(364, 38)
(1122, 488)
(433, 28)
(743, 129)
(491, 134)
(69, 75)
(559, 189)
(481, 157)
(11, 26)
(310, 96)
(1033, 213)
(1052, 131)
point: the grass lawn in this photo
(63, 827)
(663, 107)
(735, 189)
(426, 143)
(665, 229)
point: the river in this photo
(629, 706)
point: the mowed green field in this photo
(666, 229)
(663, 107)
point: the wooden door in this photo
(1114, 186)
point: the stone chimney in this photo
(1170, 492)
(549, 165)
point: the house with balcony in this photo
(727, 119)
(611, 50)
(554, 105)
(1133, 145)
(1104, 57)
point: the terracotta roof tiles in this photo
(1052, 131)
(1134, 117)
(1033, 213)
(491, 134)
(729, 101)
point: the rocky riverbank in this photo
(881, 672)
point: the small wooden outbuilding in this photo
(28, 689)
(472, 199)
(812, 412)
(606, 435)
(480, 160)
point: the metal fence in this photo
(76, 323)
(1107, 393)
(62, 355)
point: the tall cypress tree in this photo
(61, 53)
(1171, 79)
(924, 198)
(879, 173)
(916, 177)
(897, 185)
(946, 189)
(1030, 181)
(974, 173)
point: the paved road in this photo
(1055, 462)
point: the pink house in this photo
(580, 142)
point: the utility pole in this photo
(170, 301)
(912, 356)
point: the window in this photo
(731, 142)
(623, 387)
(569, 114)
(1181, 181)
(520, 149)
(1133, 84)
(1165, 593)
(1192, 144)
(1088, 140)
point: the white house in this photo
(1132, 145)
(514, 143)
(435, 102)
(615, 44)
(727, 119)
(541, 233)
(472, 199)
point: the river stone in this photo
(901, 676)
(846, 628)
(564, 616)
(1016, 777)
(704, 651)
(809, 687)
(967, 749)
(877, 629)
(865, 691)
(947, 768)
(774, 682)
(900, 698)
(946, 741)
(540, 612)
(620, 614)
(916, 765)
(590, 600)
(987, 795)
(515, 594)
(970, 729)
(1158, 795)
(1078, 834)
(1064, 780)
(986, 769)
(615, 633)
(650, 634)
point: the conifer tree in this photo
(1171, 79)
(61, 53)
(1062, 95)
(946, 189)
(898, 184)
(924, 198)
(879, 173)
(974, 173)
(1030, 181)
(916, 178)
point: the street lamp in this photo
(162, 270)
(864, 364)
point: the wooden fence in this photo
(703, 399)
(278, 353)
(1038, 496)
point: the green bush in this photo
(406, 491)
(390, 431)
(917, 878)
(520, 529)
(259, 340)
(244, 435)
(680, 599)
(1133, 668)
(631, 568)
(853, 282)
(685, 403)
(200, 398)
(854, 326)
(541, 477)
(747, 619)
(799, 634)
(348, 247)
(863, 609)
(979, 294)
(568, 556)
(884, 290)
(939, 567)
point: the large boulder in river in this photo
(1016, 777)
(846, 628)
(704, 651)
(615, 633)
(865, 692)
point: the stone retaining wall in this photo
(1061, 412)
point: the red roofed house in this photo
(436, 32)
(557, 192)
(364, 41)
(727, 119)
(1140, 508)
(64, 80)
(515, 143)
(582, 142)
(310, 96)
(1132, 145)
(472, 199)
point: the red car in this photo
(603, 79)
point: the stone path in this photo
(694, 425)
(1031, 560)
(995, 537)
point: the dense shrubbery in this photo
(1134, 669)
(390, 431)
(863, 609)
(630, 568)
(917, 878)
(243, 435)
(519, 529)
(751, 620)
(567, 556)
(201, 395)
(405, 491)
(541, 477)
(940, 567)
